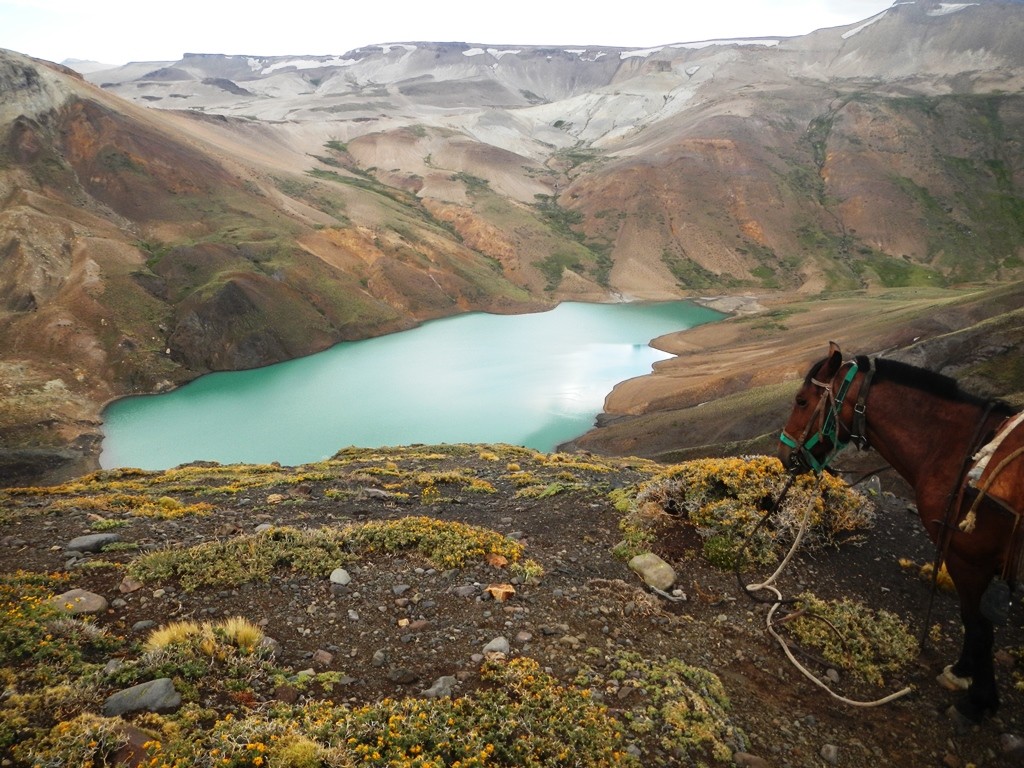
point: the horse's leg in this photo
(975, 660)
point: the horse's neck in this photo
(922, 436)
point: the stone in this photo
(154, 696)
(747, 760)
(270, 646)
(402, 676)
(93, 542)
(142, 626)
(830, 754)
(77, 601)
(501, 592)
(129, 585)
(1012, 745)
(441, 688)
(340, 576)
(466, 590)
(497, 645)
(322, 657)
(653, 570)
(288, 694)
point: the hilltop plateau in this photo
(473, 603)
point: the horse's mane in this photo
(934, 383)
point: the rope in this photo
(769, 585)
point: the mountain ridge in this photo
(224, 212)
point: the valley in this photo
(163, 220)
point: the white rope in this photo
(769, 586)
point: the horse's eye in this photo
(801, 401)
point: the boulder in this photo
(154, 696)
(653, 570)
(77, 601)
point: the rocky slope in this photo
(481, 552)
(172, 218)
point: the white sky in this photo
(118, 31)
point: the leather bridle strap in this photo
(859, 427)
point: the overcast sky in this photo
(118, 31)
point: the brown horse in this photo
(931, 432)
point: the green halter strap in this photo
(830, 425)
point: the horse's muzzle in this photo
(793, 460)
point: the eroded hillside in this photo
(172, 218)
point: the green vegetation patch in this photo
(692, 276)
(519, 717)
(898, 273)
(446, 544)
(870, 645)
(725, 499)
(683, 715)
(245, 558)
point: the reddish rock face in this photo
(213, 215)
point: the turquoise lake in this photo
(535, 380)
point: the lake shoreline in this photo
(729, 384)
(532, 379)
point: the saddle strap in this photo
(981, 458)
(967, 526)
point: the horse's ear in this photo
(834, 362)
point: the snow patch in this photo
(945, 8)
(495, 52)
(765, 41)
(851, 32)
(335, 61)
(642, 53)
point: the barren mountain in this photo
(165, 219)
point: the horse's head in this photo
(810, 438)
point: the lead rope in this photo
(769, 585)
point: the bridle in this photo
(826, 416)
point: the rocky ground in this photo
(401, 626)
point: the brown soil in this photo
(586, 599)
(729, 382)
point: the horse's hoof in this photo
(951, 681)
(961, 720)
(968, 712)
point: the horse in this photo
(960, 453)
